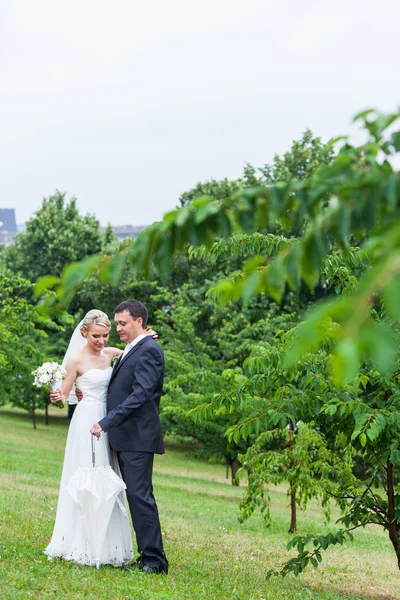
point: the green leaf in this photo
(115, 268)
(76, 273)
(345, 360)
(311, 258)
(251, 287)
(363, 114)
(205, 211)
(275, 278)
(73, 275)
(225, 224)
(396, 140)
(380, 342)
(45, 283)
(391, 296)
(343, 220)
(293, 265)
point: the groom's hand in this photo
(96, 430)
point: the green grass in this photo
(211, 555)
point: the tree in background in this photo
(219, 190)
(22, 341)
(299, 163)
(225, 335)
(354, 198)
(55, 236)
(299, 455)
(194, 370)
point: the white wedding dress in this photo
(92, 526)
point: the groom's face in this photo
(127, 327)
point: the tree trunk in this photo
(293, 508)
(234, 465)
(292, 491)
(33, 412)
(393, 526)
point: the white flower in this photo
(48, 373)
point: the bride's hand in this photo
(150, 331)
(56, 397)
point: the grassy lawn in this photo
(211, 555)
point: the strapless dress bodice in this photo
(94, 384)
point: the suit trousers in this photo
(137, 470)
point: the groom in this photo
(134, 428)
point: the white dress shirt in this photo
(132, 344)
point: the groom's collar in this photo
(137, 339)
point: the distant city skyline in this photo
(9, 227)
(20, 225)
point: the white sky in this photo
(127, 104)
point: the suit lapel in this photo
(120, 361)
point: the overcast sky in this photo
(127, 104)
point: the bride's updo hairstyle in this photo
(95, 317)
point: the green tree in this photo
(109, 243)
(364, 203)
(219, 190)
(363, 192)
(21, 345)
(299, 163)
(55, 236)
(355, 199)
(2, 257)
(300, 455)
(194, 370)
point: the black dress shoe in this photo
(153, 570)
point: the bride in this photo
(76, 531)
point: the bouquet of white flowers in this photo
(51, 374)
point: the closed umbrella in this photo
(95, 489)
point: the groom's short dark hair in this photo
(135, 308)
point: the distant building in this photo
(8, 225)
(127, 231)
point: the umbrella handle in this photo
(93, 452)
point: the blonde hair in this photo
(95, 317)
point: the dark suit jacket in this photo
(133, 400)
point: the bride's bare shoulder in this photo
(72, 363)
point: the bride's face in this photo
(97, 336)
